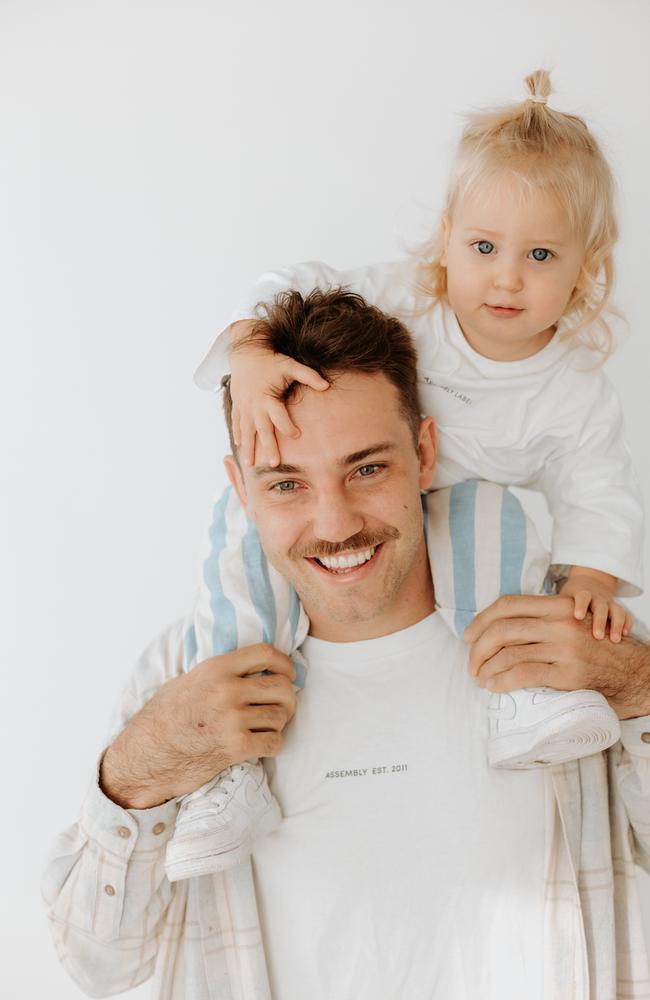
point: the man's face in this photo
(341, 517)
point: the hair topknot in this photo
(538, 84)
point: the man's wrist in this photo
(634, 699)
(120, 787)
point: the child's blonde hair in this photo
(553, 151)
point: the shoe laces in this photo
(218, 793)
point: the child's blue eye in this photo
(540, 254)
(368, 470)
(484, 246)
(286, 486)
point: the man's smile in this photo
(345, 561)
(349, 566)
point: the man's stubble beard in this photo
(347, 610)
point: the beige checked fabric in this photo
(117, 921)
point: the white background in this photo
(154, 158)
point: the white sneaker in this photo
(216, 824)
(540, 726)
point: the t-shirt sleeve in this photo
(592, 490)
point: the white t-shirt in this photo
(551, 422)
(405, 868)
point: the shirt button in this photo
(124, 831)
(109, 890)
(645, 737)
(159, 827)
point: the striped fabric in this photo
(481, 545)
(242, 599)
(117, 921)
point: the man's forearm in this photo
(125, 778)
(635, 697)
(145, 766)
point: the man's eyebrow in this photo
(295, 470)
(359, 456)
(277, 470)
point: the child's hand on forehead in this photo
(592, 591)
(258, 380)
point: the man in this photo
(405, 866)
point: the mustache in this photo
(362, 540)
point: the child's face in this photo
(512, 265)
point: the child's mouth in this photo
(503, 310)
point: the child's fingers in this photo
(236, 427)
(280, 417)
(247, 435)
(617, 619)
(581, 600)
(600, 612)
(307, 376)
(268, 446)
(629, 622)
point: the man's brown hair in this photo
(336, 332)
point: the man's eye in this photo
(286, 486)
(368, 470)
(484, 247)
(539, 253)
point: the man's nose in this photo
(335, 517)
(507, 275)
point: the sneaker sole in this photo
(591, 731)
(215, 856)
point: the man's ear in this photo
(427, 451)
(445, 230)
(234, 475)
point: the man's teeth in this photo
(347, 561)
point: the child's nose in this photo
(507, 276)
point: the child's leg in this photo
(482, 546)
(242, 601)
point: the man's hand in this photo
(220, 713)
(521, 642)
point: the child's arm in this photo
(594, 591)
(590, 485)
(258, 379)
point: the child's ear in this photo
(445, 228)
(581, 281)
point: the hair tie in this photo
(537, 98)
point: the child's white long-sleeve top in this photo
(551, 422)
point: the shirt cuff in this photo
(630, 581)
(635, 735)
(121, 831)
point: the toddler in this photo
(507, 308)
